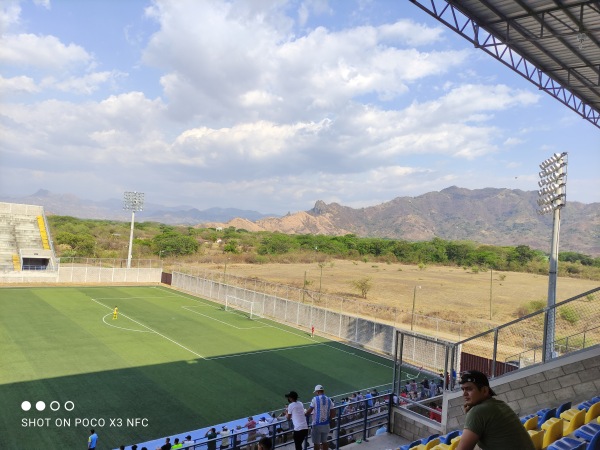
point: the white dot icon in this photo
(40, 406)
(25, 406)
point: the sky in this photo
(267, 105)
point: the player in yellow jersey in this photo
(115, 313)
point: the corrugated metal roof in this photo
(555, 44)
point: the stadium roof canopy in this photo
(555, 44)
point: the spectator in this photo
(134, 447)
(265, 443)
(413, 386)
(225, 433)
(166, 445)
(369, 399)
(92, 440)
(176, 444)
(211, 435)
(263, 427)
(433, 389)
(251, 425)
(490, 423)
(295, 412)
(324, 413)
(187, 440)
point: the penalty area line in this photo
(154, 331)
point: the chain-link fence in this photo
(367, 333)
(521, 343)
(382, 314)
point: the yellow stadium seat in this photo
(537, 437)
(576, 421)
(431, 444)
(453, 444)
(554, 431)
(531, 423)
(592, 413)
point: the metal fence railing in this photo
(507, 348)
(520, 343)
(355, 421)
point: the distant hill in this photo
(70, 205)
(487, 216)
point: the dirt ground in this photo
(450, 293)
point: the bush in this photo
(568, 314)
(529, 307)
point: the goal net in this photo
(253, 310)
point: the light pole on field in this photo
(132, 201)
(552, 198)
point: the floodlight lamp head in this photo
(133, 201)
(545, 210)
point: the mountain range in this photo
(488, 216)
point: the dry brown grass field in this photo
(450, 293)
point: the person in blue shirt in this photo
(92, 440)
(323, 413)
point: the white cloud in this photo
(86, 84)
(29, 50)
(223, 65)
(16, 85)
(408, 32)
(10, 14)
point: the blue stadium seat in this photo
(588, 403)
(429, 438)
(447, 439)
(568, 444)
(411, 445)
(562, 408)
(587, 431)
(547, 413)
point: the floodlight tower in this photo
(132, 201)
(553, 196)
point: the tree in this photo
(231, 247)
(172, 243)
(277, 243)
(363, 285)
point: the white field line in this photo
(237, 355)
(188, 308)
(154, 331)
(299, 334)
(122, 328)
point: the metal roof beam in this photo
(446, 12)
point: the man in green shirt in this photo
(491, 424)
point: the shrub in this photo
(529, 307)
(568, 314)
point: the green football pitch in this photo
(170, 363)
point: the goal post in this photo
(254, 310)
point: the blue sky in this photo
(267, 105)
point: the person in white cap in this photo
(323, 413)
